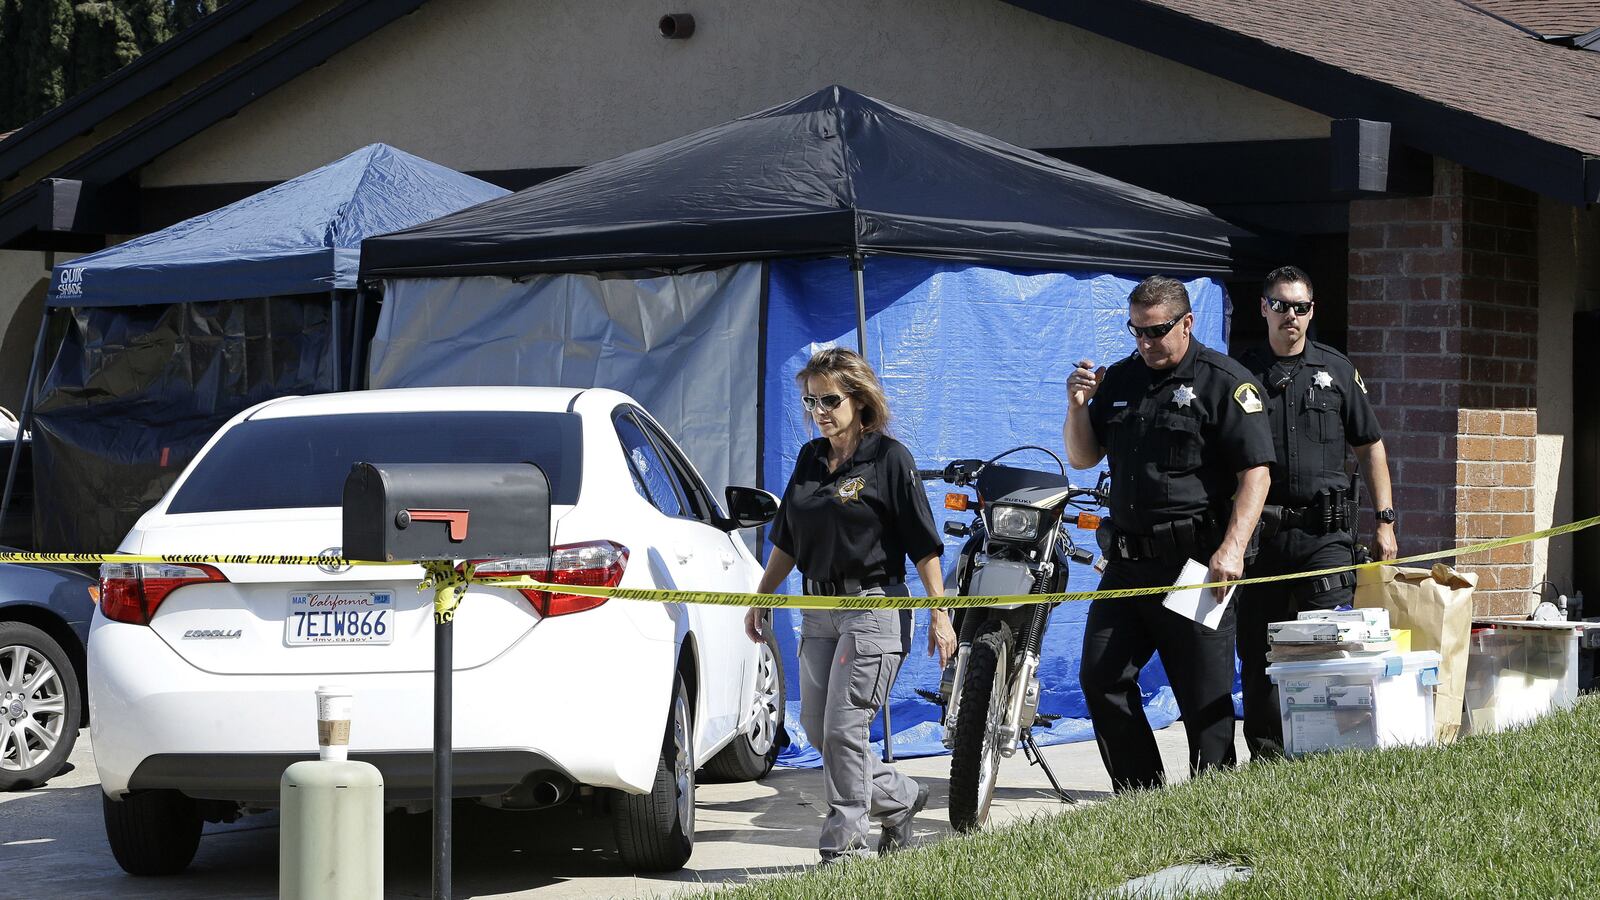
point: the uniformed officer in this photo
(853, 512)
(1183, 431)
(1317, 405)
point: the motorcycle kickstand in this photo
(1036, 758)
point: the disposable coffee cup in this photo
(333, 722)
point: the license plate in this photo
(339, 617)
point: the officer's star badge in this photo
(1323, 380)
(1183, 396)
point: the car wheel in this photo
(40, 706)
(655, 831)
(152, 832)
(750, 755)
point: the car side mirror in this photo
(749, 507)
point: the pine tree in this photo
(187, 12)
(149, 19)
(52, 49)
(103, 42)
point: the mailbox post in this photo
(437, 514)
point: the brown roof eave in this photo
(1546, 167)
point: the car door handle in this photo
(727, 560)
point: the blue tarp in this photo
(300, 237)
(974, 361)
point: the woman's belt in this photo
(849, 587)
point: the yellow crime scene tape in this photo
(450, 582)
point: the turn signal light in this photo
(593, 564)
(130, 592)
(1088, 521)
(956, 501)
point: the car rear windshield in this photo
(303, 461)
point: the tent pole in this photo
(25, 417)
(858, 265)
(334, 337)
(355, 338)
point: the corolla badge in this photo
(213, 634)
(330, 561)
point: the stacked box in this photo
(1357, 703)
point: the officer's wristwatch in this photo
(1386, 516)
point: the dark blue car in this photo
(44, 627)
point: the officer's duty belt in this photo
(1169, 541)
(1318, 518)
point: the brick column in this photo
(1443, 315)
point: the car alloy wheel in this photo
(682, 765)
(767, 717)
(33, 707)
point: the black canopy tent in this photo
(835, 173)
(505, 293)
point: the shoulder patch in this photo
(1359, 383)
(1248, 398)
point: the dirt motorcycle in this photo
(1016, 543)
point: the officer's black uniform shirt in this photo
(1317, 405)
(860, 521)
(1177, 439)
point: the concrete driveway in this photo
(52, 842)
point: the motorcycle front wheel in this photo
(974, 753)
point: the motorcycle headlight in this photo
(1017, 523)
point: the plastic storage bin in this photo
(1356, 704)
(1519, 671)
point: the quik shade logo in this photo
(70, 284)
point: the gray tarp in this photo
(684, 346)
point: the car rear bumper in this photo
(577, 697)
(254, 777)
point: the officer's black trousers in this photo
(1292, 550)
(1118, 639)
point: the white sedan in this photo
(202, 677)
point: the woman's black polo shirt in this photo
(861, 521)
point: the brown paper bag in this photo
(1437, 606)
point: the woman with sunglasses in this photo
(853, 513)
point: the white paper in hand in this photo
(1194, 603)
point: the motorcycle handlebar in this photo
(930, 474)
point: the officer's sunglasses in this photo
(828, 402)
(1153, 332)
(1283, 306)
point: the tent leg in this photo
(335, 336)
(25, 417)
(356, 330)
(858, 265)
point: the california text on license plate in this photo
(339, 617)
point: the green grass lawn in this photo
(1507, 815)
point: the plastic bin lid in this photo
(1368, 666)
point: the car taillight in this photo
(593, 564)
(130, 592)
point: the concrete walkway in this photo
(52, 841)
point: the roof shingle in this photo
(1551, 18)
(1443, 52)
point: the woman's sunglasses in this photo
(1153, 332)
(1282, 306)
(828, 402)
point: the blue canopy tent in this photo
(172, 333)
(700, 274)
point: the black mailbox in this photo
(431, 511)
